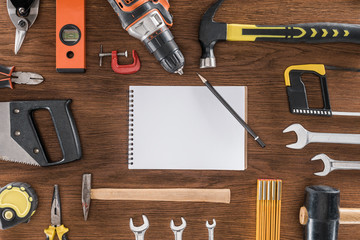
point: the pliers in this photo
(23, 14)
(18, 77)
(56, 226)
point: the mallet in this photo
(321, 213)
(176, 194)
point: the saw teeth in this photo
(4, 158)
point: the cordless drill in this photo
(149, 21)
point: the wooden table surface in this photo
(100, 109)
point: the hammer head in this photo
(210, 32)
(322, 209)
(86, 194)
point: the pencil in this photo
(231, 110)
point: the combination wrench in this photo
(332, 165)
(178, 230)
(304, 137)
(140, 231)
(211, 229)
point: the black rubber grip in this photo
(4, 70)
(64, 123)
(64, 237)
(5, 83)
(307, 32)
(24, 4)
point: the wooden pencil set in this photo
(268, 209)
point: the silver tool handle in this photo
(345, 165)
(178, 235)
(211, 233)
(334, 138)
(139, 235)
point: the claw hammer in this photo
(211, 32)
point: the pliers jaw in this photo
(56, 208)
(28, 78)
(22, 19)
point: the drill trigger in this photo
(125, 69)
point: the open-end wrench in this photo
(211, 229)
(304, 137)
(331, 164)
(140, 231)
(178, 230)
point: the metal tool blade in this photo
(19, 39)
(86, 194)
(9, 148)
(351, 114)
(28, 78)
(21, 23)
(56, 208)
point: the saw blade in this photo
(9, 148)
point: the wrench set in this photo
(305, 137)
(298, 104)
(139, 232)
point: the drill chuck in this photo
(149, 23)
(166, 51)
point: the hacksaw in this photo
(295, 87)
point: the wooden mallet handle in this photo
(176, 194)
(347, 216)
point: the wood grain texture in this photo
(100, 109)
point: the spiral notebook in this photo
(187, 128)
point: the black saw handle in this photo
(22, 121)
(305, 32)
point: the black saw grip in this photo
(21, 119)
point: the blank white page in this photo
(183, 127)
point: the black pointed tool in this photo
(56, 226)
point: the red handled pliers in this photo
(18, 77)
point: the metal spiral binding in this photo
(131, 128)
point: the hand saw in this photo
(296, 90)
(20, 141)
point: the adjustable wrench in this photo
(178, 230)
(331, 165)
(211, 229)
(140, 231)
(304, 137)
